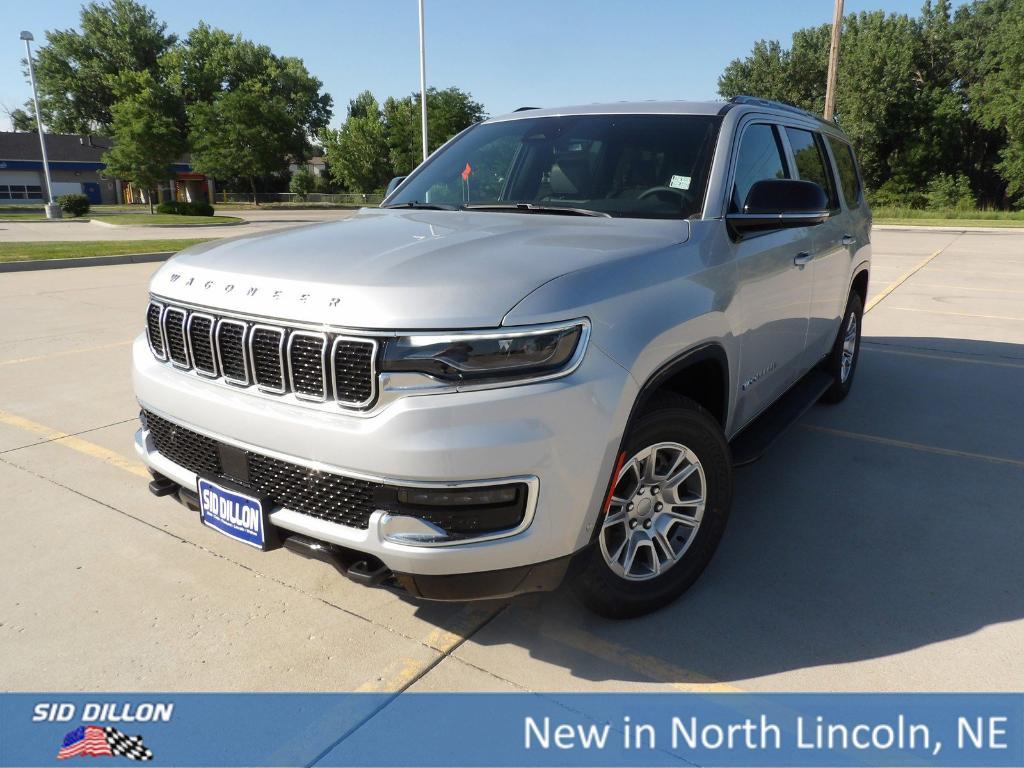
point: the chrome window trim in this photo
(281, 351)
(184, 337)
(373, 370)
(160, 324)
(213, 347)
(245, 357)
(323, 364)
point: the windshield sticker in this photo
(679, 182)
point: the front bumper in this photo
(558, 436)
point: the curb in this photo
(170, 226)
(84, 261)
(936, 228)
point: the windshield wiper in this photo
(415, 204)
(534, 208)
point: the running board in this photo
(749, 445)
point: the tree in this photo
(376, 143)
(77, 71)
(246, 132)
(302, 182)
(22, 119)
(147, 139)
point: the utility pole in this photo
(52, 209)
(423, 86)
(833, 62)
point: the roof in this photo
(60, 147)
(622, 108)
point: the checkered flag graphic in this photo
(127, 746)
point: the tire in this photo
(842, 379)
(668, 424)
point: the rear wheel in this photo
(668, 508)
(841, 364)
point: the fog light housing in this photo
(461, 512)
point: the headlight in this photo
(471, 357)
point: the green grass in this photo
(950, 217)
(165, 219)
(62, 249)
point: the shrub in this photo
(74, 205)
(897, 193)
(302, 183)
(197, 208)
(949, 191)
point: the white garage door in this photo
(20, 187)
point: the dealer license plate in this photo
(232, 513)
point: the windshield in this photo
(647, 166)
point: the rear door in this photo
(830, 267)
(773, 287)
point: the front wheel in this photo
(668, 508)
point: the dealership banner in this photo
(527, 729)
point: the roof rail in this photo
(756, 102)
(526, 109)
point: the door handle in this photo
(849, 240)
(802, 259)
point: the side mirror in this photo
(779, 203)
(393, 185)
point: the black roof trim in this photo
(526, 109)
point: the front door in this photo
(773, 283)
(92, 190)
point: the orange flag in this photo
(466, 171)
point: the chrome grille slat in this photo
(276, 359)
(155, 330)
(174, 337)
(266, 350)
(200, 343)
(353, 362)
(307, 365)
(231, 352)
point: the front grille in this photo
(307, 353)
(335, 498)
(314, 366)
(174, 333)
(267, 348)
(153, 330)
(352, 361)
(231, 346)
(200, 342)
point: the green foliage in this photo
(77, 71)
(949, 191)
(184, 208)
(302, 182)
(897, 193)
(939, 95)
(378, 143)
(146, 139)
(22, 119)
(74, 205)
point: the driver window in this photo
(760, 157)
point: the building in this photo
(76, 166)
(315, 165)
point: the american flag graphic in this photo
(95, 741)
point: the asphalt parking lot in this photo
(877, 546)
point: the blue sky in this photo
(507, 54)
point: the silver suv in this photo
(540, 358)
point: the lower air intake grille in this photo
(335, 498)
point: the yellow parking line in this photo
(77, 351)
(75, 443)
(914, 446)
(655, 669)
(901, 280)
(956, 314)
(950, 358)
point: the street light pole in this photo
(423, 86)
(833, 62)
(52, 209)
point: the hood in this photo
(401, 269)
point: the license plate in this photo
(232, 513)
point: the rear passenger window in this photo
(760, 157)
(847, 168)
(811, 162)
